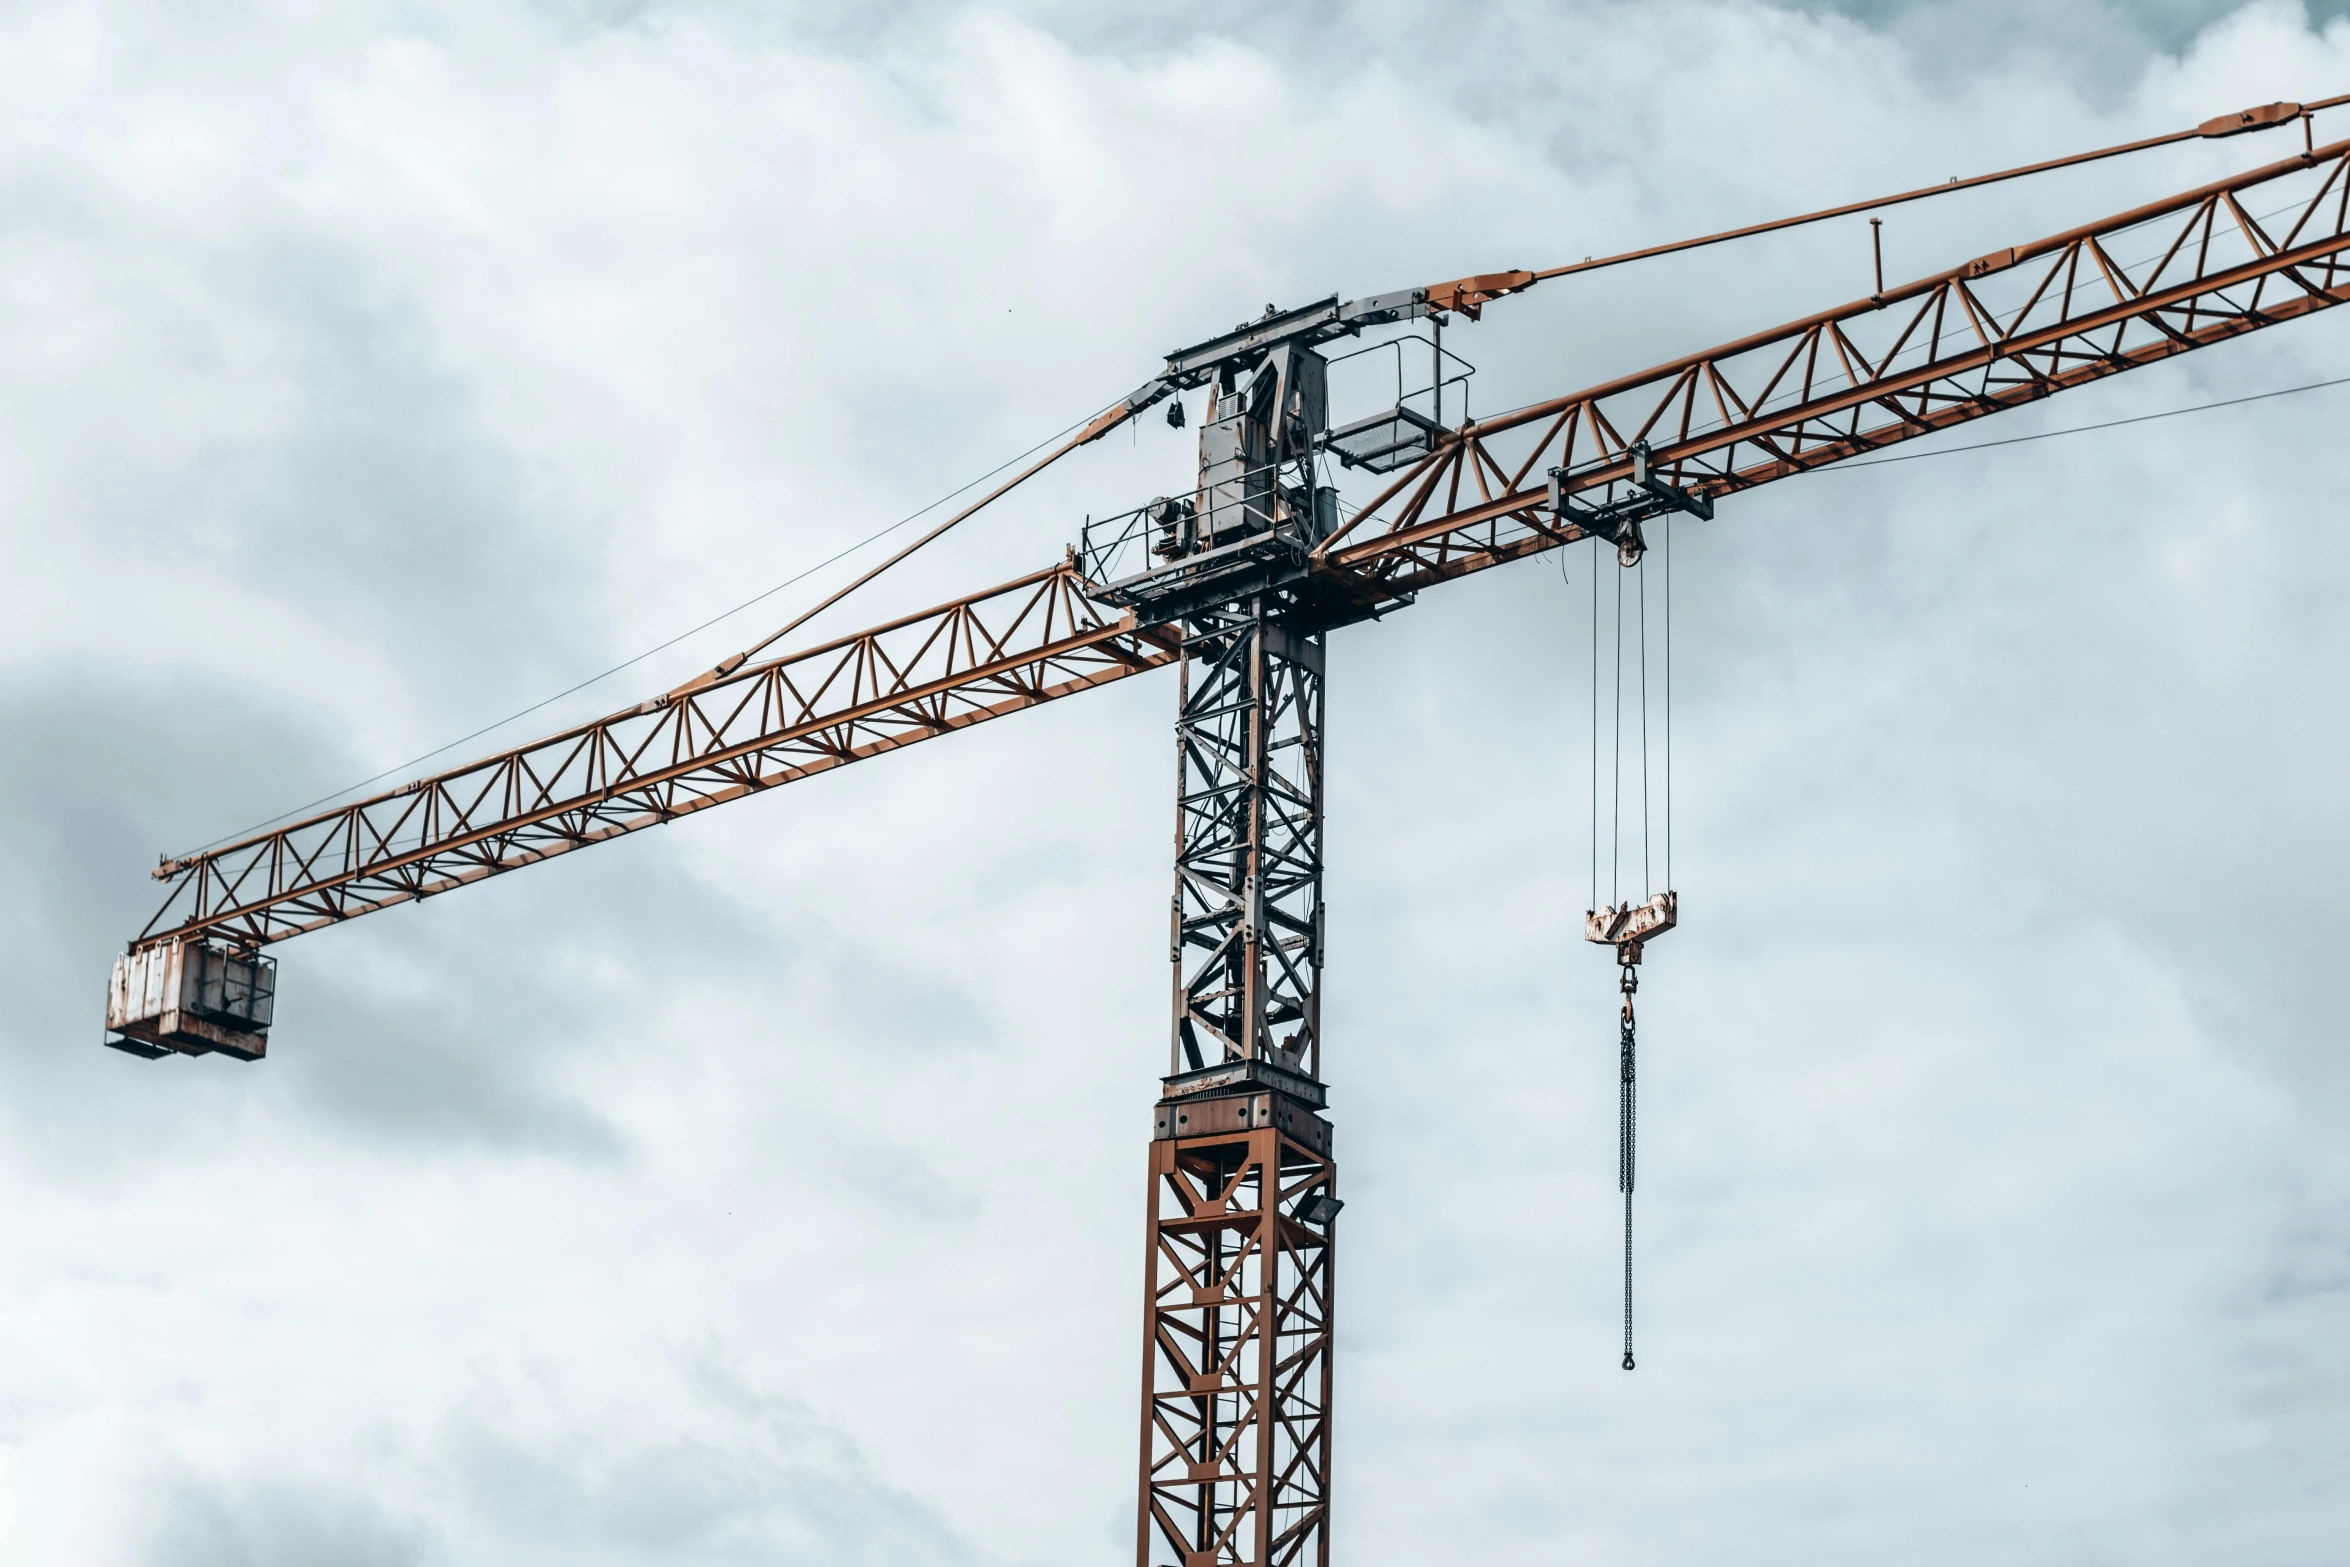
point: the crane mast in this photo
(1237, 1296)
(1239, 584)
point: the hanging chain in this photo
(1627, 955)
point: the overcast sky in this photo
(769, 1190)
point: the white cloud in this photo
(766, 1190)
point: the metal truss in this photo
(1009, 648)
(1236, 1325)
(2010, 328)
(2006, 329)
(1247, 937)
(1236, 1364)
(1251, 574)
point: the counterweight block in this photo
(193, 998)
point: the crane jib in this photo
(1854, 381)
(1974, 340)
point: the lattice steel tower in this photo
(1236, 1356)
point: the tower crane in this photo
(1237, 586)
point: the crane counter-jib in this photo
(994, 652)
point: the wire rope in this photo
(1641, 571)
(1615, 820)
(626, 663)
(2082, 429)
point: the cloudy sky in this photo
(769, 1190)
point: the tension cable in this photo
(1624, 924)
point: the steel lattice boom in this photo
(761, 725)
(2004, 330)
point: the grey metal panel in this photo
(1305, 403)
(1252, 337)
(1385, 441)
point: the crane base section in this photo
(1236, 1351)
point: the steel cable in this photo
(1615, 821)
(661, 647)
(1646, 888)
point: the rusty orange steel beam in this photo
(1009, 648)
(2000, 331)
(1997, 332)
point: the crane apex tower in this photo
(1236, 1316)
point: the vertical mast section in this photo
(1247, 951)
(1238, 1273)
